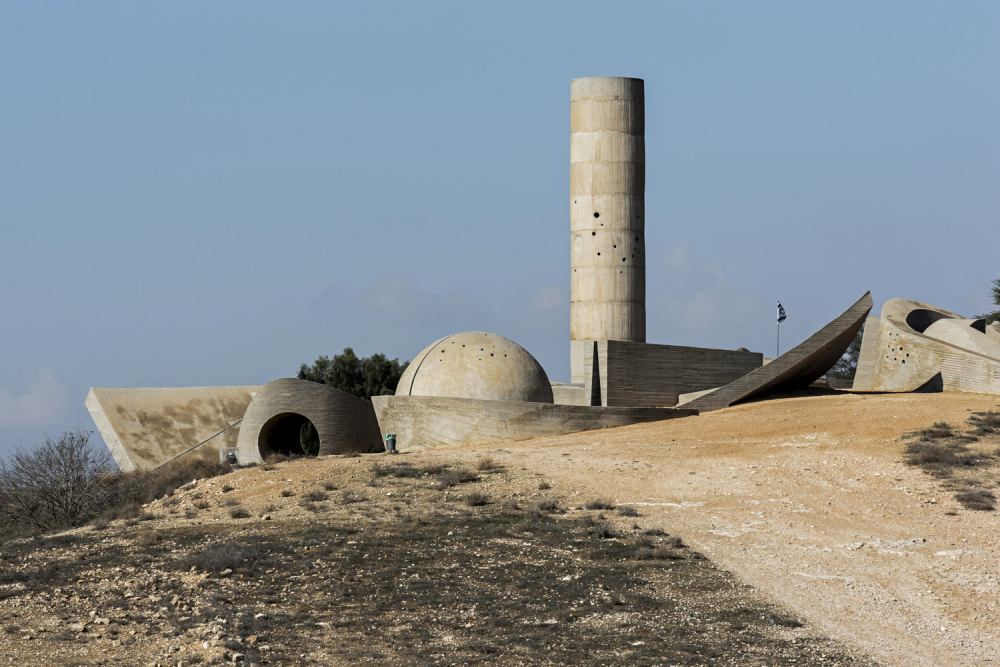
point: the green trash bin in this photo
(390, 443)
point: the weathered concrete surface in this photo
(422, 422)
(146, 427)
(864, 375)
(641, 375)
(925, 348)
(993, 331)
(797, 368)
(607, 213)
(569, 394)
(476, 364)
(344, 423)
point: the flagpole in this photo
(777, 343)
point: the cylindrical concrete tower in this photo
(607, 213)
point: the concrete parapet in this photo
(146, 427)
(422, 422)
(344, 423)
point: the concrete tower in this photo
(607, 214)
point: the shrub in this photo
(487, 463)
(456, 477)
(239, 513)
(977, 499)
(329, 486)
(476, 499)
(628, 511)
(148, 538)
(201, 504)
(316, 496)
(226, 488)
(287, 493)
(600, 504)
(544, 486)
(62, 482)
(546, 505)
(217, 558)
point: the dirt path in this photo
(807, 499)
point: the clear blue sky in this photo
(213, 193)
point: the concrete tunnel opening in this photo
(288, 433)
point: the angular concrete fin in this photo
(865, 374)
(797, 368)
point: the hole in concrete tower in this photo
(593, 233)
(288, 433)
(596, 214)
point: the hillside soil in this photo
(782, 532)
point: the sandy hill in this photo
(787, 531)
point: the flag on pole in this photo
(781, 313)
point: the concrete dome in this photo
(479, 365)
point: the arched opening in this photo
(290, 434)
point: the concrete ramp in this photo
(795, 369)
(144, 428)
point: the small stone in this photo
(226, 572)
(237, 657)
(259, 616)
(251, 640)
(78, 627)
(267, 517)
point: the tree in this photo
(62, 482)
(995, 315)
(364, 377)
(847, 365)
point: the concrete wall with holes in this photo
(607, 213)
(920, 347)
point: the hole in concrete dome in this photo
(623, 259)
(288, 433)
(593, 233)
(491, 354)
(596, 214)
(598, 254)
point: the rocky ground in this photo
(786, 532)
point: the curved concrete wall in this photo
(797, 368)
(907, 356)
(607, 212)
(345, 423)
(423, 422)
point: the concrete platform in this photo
(424, 422)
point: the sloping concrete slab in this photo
(424, 422)
(146, 427)
(797, 368)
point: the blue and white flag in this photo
(781, 313)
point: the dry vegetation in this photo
(964, 461)
(417, 560)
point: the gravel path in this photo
(808, 500)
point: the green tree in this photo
(364, 377)
(847, 366)
(995, 315)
